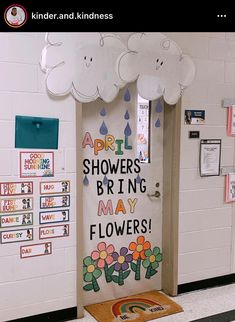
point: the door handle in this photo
(156, 194)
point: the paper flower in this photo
(139, 248)
(90, 274)
(159, 66)
(103, 255)
(82, 64)
(138, 254)
(104, 258)
(122, 260)
(153, 257)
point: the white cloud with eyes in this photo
(158, 64)
(82, 64)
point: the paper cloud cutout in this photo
(82, 64)
(159, 66)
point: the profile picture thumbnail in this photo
(15, 16)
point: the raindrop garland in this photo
(127, 115)
(159, 107)
(158, 123)
(85, 181)
(103, 129)
(103, 112)
(138, 179)
(105, 180)
(127, 95)
(127, 130)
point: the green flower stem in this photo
(137, 273)
(96, 287)
(148, 272)
(120, 278)
(107, 275)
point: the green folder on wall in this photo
(36, 132)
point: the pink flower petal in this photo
(101, 263)
(110, 249)
(109, 259)
(101, 246)
(95, 255)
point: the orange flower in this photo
(139, 248)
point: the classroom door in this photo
(122, 196)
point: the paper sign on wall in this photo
(231, 121)
(16, 204)
(35, 250)
(230, 187)
(54, 187)
(14, 236)
(16, 188)
(194, 117)
(210, 154)
(36, 164)
(54, 201)
(53, 216)
(54, 231)
(25, 219)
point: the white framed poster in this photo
(15, 236)
(54, 187)
(16, 220)
(36, 164)
(210, 155)
(16, 188)
(36, 250)
(53, 216)
(16, 204)
(54, 231)
(54, 201)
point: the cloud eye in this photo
(91, 59)
(84, 57)
(161, 63)
(157, 60)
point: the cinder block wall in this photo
(47, 283)
(206, 223)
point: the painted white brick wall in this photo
(41, 284)
(206, 223)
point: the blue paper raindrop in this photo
(85, 181)
(138, 179)
(103, 129)
(103, 112)
(158, 123)
(127, 130)
(159, 107)
(127, 96)
(105, 181)
(127, 115)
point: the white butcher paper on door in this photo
(122, 223)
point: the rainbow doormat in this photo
(137, 308)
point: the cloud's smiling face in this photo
(159, 63)
(87, 58)
(88, 61)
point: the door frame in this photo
(79, 210)
(170, 207)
